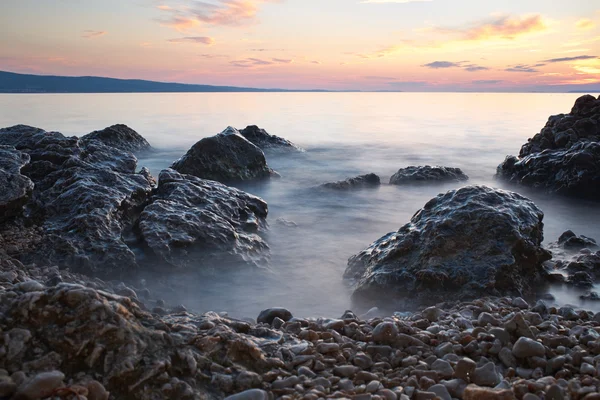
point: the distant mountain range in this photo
(22, 83)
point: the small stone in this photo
(520, 303)
(362, 361)
(305, 371)
(285, 383)
(7, 387)
(385, 333)
(501, 335)
(373, 386)
(440, 391)
(486, 375)
(277, 323)
(465, 368)
(345, 371)
(325, 348)
(507, 358)
(30, 286)
(531, 396)
(525, 347)
(96, 391)
(267, 316)
(443, 368)
(555, 392)
(587, 369)
(42, 385)
(487, 318)
(346, 385)
(432, 314)
(474, 392)
(387, 394)
(252, 394)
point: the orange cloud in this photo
(228, 12)
(503, 27)
(585, 23)
(194, 39)
(89, 34)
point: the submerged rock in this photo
(195, 223)
(120, 137)
(467, 242)
(565, 156)
(570, 241)
(15, 187)
(262, 139)
(361, 181)
(427, 173)
(226, 157)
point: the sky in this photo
(418, 45)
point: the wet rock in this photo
(440, 391)
(361, 181)
(486, 375)
(443, 368)
(525, 347)
(121, 137)
(40, 386)
(385, 333)
(591, 296)
(467, 242)
(16, 188)
(474, 392)
(193, 221)
(226, 157)
(267, 316)
(565, 156)
(465, 368)
(262, 139)
(427, 174)
(570, 241)
(252, 394)
(580, 279)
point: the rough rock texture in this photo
(427, 174)
(121, 137)
(467, 242)
(361, 181)
(16, 188)
(192, 222)
(226, 157)
(261, 138)
(570, 241)
(565, 156)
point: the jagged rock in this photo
(361, 181)
(585, 262)
(580, 279)
(262, 139)
(565, 156)
(427, 173)
(570, 241)
(463, 243)
(121, 137)
(226, 157)
(193, 222)
(16, 188)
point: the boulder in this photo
(121, 137)
(427, 173)
(262, 139)
(464, 243)
(570, 241)
(16, 188)
(362, 181)
(193, 222)
(564, 157)
(226, 157)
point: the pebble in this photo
(486, 375)
(385, 333)
(520, 303)
(40, 386)
(267, 316)
(96, 391)
(252, 394)
(443, 368)
(465, 368)
(345, 371)
(525, 347)
(441, 391)
(473, 392)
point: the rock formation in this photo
(265, 141)
(361, 181)
(427, 173)
(120, 137)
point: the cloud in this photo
(475, 68)
(315, 62)
(393, 1)
(563, 59)
(585, 23)
(213, 55)
(192, 13)
(502, 27)
(523, 68)
(89, 34)
(487, 82)
(441, 64)
(194, 39)
(259, 62)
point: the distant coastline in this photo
(16, 83)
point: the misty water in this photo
(344, 134)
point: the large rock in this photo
(361, 181)
(427, 173)
(16, 188)
(193, 222)
(467, 242)
(226, 157)
(565, 156)
(261, 138)
(121, 137)
(86, 199)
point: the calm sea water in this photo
(345, 134)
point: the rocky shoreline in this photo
(78, 220)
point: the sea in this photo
(344, 135)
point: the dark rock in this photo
(592, 296)
(361, 181)
(569, 240)
(267, 316)
(16, 188)
(226, 157)
(262, 139)
(581, 279)
(192, 221)
(565, 156)
(121, 137)
(427, 173)
(467, 242)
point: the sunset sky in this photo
(407, 45)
